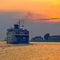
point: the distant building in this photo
(37, 39)
(17, 35)
(55, 38)
(47, 38)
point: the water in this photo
(33, 51)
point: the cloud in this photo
(41, 18)
(49, 18)
(29, 16)
(55, 18)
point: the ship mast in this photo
(21, 23)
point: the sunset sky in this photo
(48, 8)
(42, 16)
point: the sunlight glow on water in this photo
(33, 51)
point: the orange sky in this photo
(49, 8)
